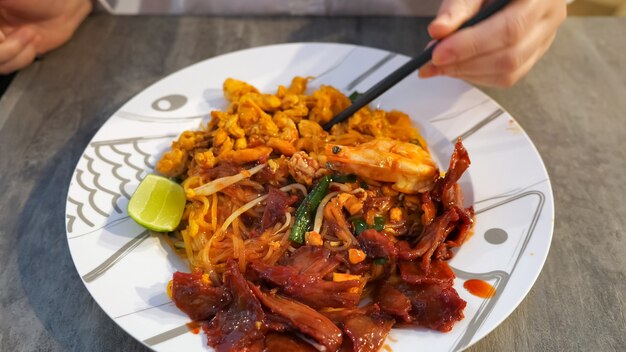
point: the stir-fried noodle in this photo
(281, 213)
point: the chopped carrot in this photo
(338, 277)
(355, 255)
(395, 214)
(313, 238)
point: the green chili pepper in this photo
(359, 225)
(416, 142)
(379, 223)
(307, 208)
(343, 178)
(364, 185)
(380, 261)
(354, 96)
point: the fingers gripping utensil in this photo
(406, 69)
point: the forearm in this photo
(498, 51)
(61, 22)
(32, 27)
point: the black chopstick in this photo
(406, 69)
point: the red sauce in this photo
(194, 327)
(480, 288)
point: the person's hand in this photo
(32, 27)
(498, 51)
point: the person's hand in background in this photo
(498, 51)
(32, 27)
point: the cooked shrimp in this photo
(407, 165)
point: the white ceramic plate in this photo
(126, 269)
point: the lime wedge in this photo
(157, 204)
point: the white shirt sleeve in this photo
(274, 7)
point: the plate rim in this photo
(549, 211)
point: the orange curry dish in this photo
(305, 239)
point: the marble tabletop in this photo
(572, 105)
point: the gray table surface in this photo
(573, 106)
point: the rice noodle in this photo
(358, 190)
(245, 232)
(205, 209)
(191, 182)
(268, 255)
(343, 233)
(249, 183)
(319, 214)
(286, 224)
(344, 246)
(214, 212)
(341, 186)
(193, 225)
(239, 246)
(297, 186)
(188, 249)
(223, 182)
(203, 255)
(219, 235)
(253, 203)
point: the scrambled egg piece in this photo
(256, 126)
